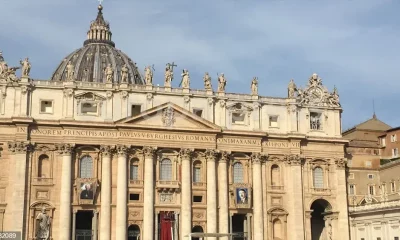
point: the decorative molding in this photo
(65, 149)
(224, 156)
(122, 150)
(106, 150)
(293, 159)
(109, 95)
(341, 163)
(19, 147)
(258, 158)
(149, 151)
(186, 153)
(124, 94)
(68, 92)
(210, 154)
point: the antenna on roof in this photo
(373, 108)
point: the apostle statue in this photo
(124, 74)
(185, 82)
(26, 67)
(169, 75)
(333, 98)
(207, 81)
(148, 75)
(221, 83)
(43, 225)
(292, 88)
(254, 86)
(109, 73)
(70, 71)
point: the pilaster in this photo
(148, 205)
(105, 211)
(341, 198)
(212, 223)
(68, 111)
(223, 197)
(257, 159)
(186, 205)
(122, 193)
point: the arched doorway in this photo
(197, 229)
(320, 208)
(133, 232)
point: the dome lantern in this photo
(99, 31)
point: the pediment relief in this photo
(239, 107)
(169, 115)
(89, 96)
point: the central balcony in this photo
(168, 186)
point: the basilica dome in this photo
(98, 58)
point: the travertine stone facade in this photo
(116, 157)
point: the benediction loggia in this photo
(99, 152)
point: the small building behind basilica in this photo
(99, 152)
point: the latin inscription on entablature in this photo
(242, 143)
(281, 147)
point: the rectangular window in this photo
(370, 176)
(197, 174)
(197, 199)
(393, 187)
(393, 138)
(238, 118)
(383, 142)
(371, 190)
(351, 189)
(315, 121)
(135, 110)
(89, 108)
(46, 106)
(273, 121)
(395, 152)
(134, 172)
(396, 238)
(198, 112)
(134, 197)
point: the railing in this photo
(42, 181)
(199, 184)
(375, 206)
(321, 190)
(83, 234)
(136, 182)
(167, 182)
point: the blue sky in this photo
(353, 44)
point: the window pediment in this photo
(239, 107)
(89, 96)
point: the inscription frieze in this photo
(239, 141)
(276, 144)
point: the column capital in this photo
(106, 150)
(185, 153)
(224, 156)
(149, 151)
(122, 150)
(19, 147)
(210, 154)
(258, 158)
(293, 159)
(65, 149)
(341, 163)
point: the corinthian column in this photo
(65, 192)
(186, 206)
(19, 151)
(105, 211)
(148, 205)
(223, 194)
(122, 193)
(211, 192)
(257, 158)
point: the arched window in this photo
(133, 232)
(86, 167)
(318, 177)
(43, 166)
(166, 169)
(197, 171)
(134, 169)
(275, 175)
(237, 173)
(277, 230)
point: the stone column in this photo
(17, 206)
(105, 211)
(65, 192)
(73, 224)
(258, 222)
(122, 193)
(148, 200)
(176, 229)
(249, 235)
(342, 203)
(212, 223)
(155, 226)
(223, 199)
(186, 205)
(308, 224)
(95, 217)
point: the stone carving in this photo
(293, 159)
(18, 147)
(26, 67)
(368, 199)
(210, 154)
(292, 89)
(43, 222)
(109, 74)
(315, 94)
(148, 75)
(166, 198)
(222, 103)
(124, 94)
(106, 150)
(65, 149)
(221, 83)
(168, 117)
(69, 92)
(124, 74)
(258, 158)
(109, 95)
(149, 151)
(70, 72)
(254, 86)
(185, 153)
(122, 150)
(169, 74)
(185, 82)
(207, 81)
(7, 73)
(341, 162)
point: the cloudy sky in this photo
(353, 44)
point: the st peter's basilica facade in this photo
(100, 152)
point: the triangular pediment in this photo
(90, 96)
(170, 116)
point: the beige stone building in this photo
(99, 152)
(373, 181)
